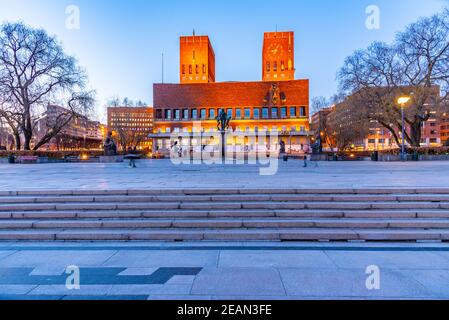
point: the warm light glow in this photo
(403, 100)
(84, 157)
(352, 155)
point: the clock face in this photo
(275, 50)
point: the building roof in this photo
(230, 94)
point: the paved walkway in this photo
(207, 271)
(163, 174)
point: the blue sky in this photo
(120, 42)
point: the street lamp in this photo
(402, 101)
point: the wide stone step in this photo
(226, 223)
(309, 234)
(240, 213)
(230, 191)
(221, 198)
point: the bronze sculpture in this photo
(223, 121)
(109, 146)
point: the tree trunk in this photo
(17, 141)
(416, 133)
(27, 142)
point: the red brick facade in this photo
(197, 60)
(232, 94)
(278, 56)
(280, 104)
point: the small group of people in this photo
(176, 148)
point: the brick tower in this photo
(197, 57)
(278, 56)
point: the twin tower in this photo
(197, 58)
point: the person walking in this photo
(132, 156)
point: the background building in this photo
(79, 133)
(444, 129)
(278, 103)
(7, 141)
(131, 126)
(346, 128)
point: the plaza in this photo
(164, 174)
(217, 271)
(211, 270)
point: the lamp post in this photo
(402, 101)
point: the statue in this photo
(109, 146)
(223, 121)
(282, 148)
(316, 147)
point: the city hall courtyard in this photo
(331, 230)
(166, 175)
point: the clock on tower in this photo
(278, 56)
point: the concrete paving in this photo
(164, 174)
(208, 271)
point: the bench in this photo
(28, 159)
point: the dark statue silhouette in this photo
(223, 121)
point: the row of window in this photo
(191, 67)
(423, 141)
(246, 113)
(239, 129)
(274, 64)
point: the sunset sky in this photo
(120, 42)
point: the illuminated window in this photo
(292, 112)
(190, 69)
(268, 66)
(204, 68)
(265, 113)
(197, 69)
(283, 112)
(275, 66)
(238, 113)
(282, 66)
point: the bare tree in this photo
(318, 103)
(415, 64)
(131, 138)
(345, 126)
(34, 72)
(116, 101)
